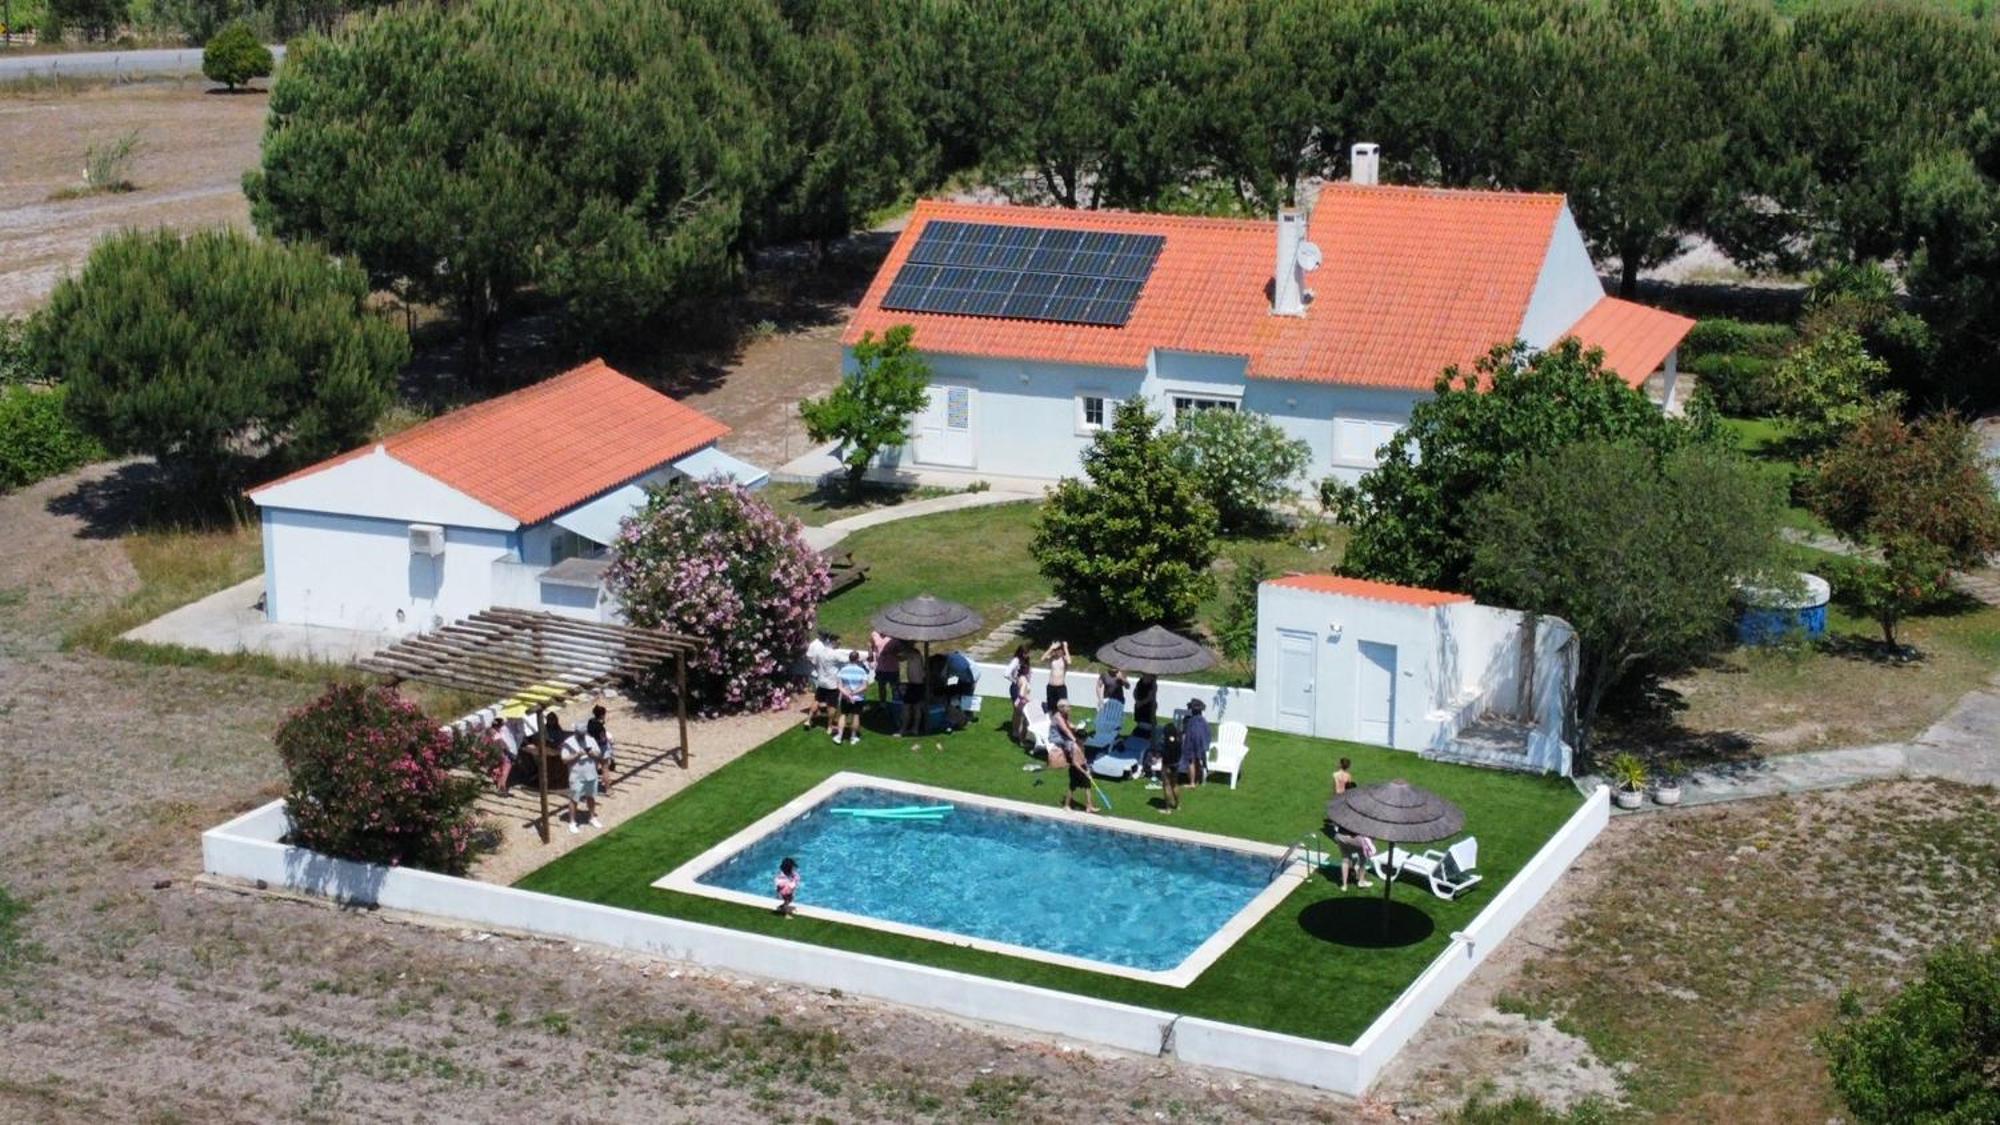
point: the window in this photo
(566, 544)
(1359, 441)
(1184, 404)
(1089, 413)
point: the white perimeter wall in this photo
(356, 572)
(1026, 421)
(248, 848)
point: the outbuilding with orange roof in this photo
(1036, 321)
(510, 502)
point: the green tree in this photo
(1641, 117)
(96, 19)
(871, 408)
(599, 156)
(1277, 112)
(1952, 239)
(1867, 92)
(233, 57)
(1917, 493)
(1236, 625)
(205, 350)
(42, 440)
(1244, 464)
(1641, 553)
(1828, 383)
(1930, 1054)
(1411, 515)
(1133, 542)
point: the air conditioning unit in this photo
(426, 539)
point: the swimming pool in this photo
(1133, 899)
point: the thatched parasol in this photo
(1156, 651)
(924, 619)
(1398, 812)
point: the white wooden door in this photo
(1375, 694)
(944, 428)
(1296, 652)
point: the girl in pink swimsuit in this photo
(787, 885)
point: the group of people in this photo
(902, 678)
(587, 752)
(1176, 750)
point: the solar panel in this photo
(1024, 273)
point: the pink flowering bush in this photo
(374, 779)
(713, 562)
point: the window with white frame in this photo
(1090, 412)
(1188, 404)
(1359, 441)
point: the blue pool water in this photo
(1053, 884)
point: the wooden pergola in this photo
(540, 658)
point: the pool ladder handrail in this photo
(1315, 853)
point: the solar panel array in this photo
(1025, 273)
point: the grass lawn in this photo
(978, 556)
(814, 506)
(1767, 442)
(1307, 969)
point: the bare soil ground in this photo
(194, 147)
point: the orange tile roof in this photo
(1413, 280)
(1364, 588)
(1636, 340)
(544, 449)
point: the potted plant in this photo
(1667, 786)
(1628, 780)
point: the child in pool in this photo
(787, 885)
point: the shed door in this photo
(944, 428)
(1375, 694)
(1295, 680)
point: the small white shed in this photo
(1408, 668)
(510, 502)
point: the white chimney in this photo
(1287, 295)
(1366, 163)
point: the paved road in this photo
(107, 64)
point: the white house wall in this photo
(1566, 288)
(379, 486)
(357, 572)
(1027, 422)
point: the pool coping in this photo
(684, 879)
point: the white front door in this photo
(1295, 680)
(1375, 694)
(943, 430)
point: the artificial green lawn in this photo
(1279, 976)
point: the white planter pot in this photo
(1668, 794)
(1627, 798)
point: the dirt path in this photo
(193, 150)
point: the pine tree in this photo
(213, 350)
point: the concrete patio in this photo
(232, 621)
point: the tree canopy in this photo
(1412, 515)
(1926, 1055)
(234, 56)
(1916, 492)
(1639, 551)
(1132, 542)
(212, 349)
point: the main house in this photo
(1035, 320)
(510, 502)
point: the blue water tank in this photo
(1767, 616)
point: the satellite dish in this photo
(1309, 257)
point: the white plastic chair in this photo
(1038, 729)
(1226, 753)
(1450, 872)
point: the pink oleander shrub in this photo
(374, 779)
(711, 561)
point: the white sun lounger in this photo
(1450, 872)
